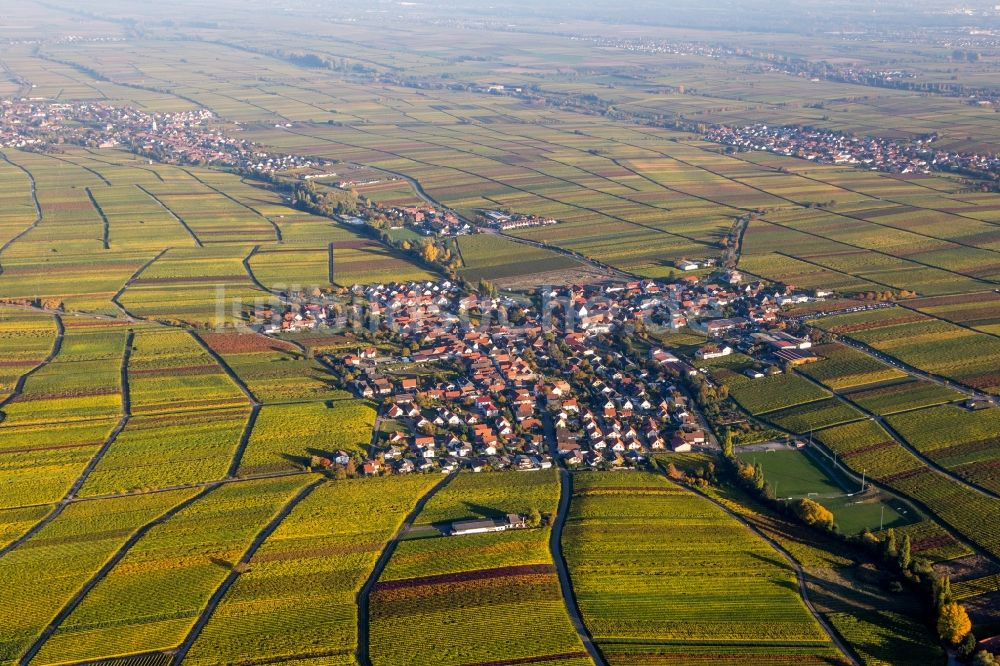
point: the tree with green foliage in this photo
(487, 288)
(984, 658)
(966, 647)
(727, 443)
(534, 517)
(942, 592)
(889, 549)
(904, 558)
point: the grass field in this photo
(158, 451)
(65, 412)
(285, 437)
(864, 446)
(770, 394)
(70, 549)
(275, 371)
(170, 372)
(881, 631)
(27, 338)
(797, 474)
(902, 396)
(844, 368)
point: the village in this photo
(184, 137)
(481, 382)
(878, 154)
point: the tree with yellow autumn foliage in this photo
(953, 623)
(813, 513)
(429, 252)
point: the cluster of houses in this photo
(625, 411)
(271, 321)
(712, 307)
(186, 137)
(829, 147)
(475, 390)
(407, 305)
(484, 415)
(466, 380)
(502, 221)
(424, 220)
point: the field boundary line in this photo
(234, 573)
(421, 193)
(363, 597)
(949, 321)
(811, 262)
(329, 264)
(697, 241)
(226, 368)
(840, 214)
(253, 276)
(690, 239)
(24, 84)
(985, 281)
(99, 76)
(802, 205)
(102, 573)
(508, 139)
(100, 176)
(241, 446)
(194, 236)
(183, 486)
(104, 218)
(617, 161)
(126, 658)
(565, 580)
(96, 158)
(130, 281)
(920, 508)
(894, 361)
(887, 175)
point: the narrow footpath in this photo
(364, 594)
(555, 548)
